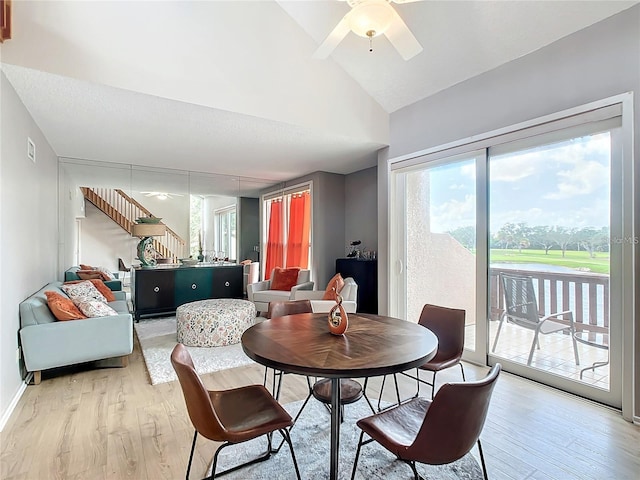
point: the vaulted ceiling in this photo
(231, 87)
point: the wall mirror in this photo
(211, 216)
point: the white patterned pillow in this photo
(107, 273)
(82, 292)
(96, 308)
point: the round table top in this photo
(372, 345)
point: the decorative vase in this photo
(338, 319)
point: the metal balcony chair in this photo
(448, 325)
(521, 309)
(230, 416)
(433, 432)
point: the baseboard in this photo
(636, 420)
(14, 402)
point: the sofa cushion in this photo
(83, 291)
(334, 286)
(62, 307)
(96, 308)
(267, 296)
(284, 278)
(101, 286)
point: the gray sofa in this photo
(72, 274)
(49, 343)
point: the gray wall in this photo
(248, 228)
(597, 62)
(361, 208)
(28, 229)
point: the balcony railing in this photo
(586, 295)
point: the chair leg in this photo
(355, 461)
(572, 332)
(484, 466)
(462, 370)
(287, 437)
(433, 385)
(495, 341)
(193, 448)
(533, 347)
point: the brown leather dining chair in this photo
(434, 432)
(229, 416)
(448, 325)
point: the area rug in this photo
(310, 438)
(157, 338)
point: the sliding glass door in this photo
(527, 232)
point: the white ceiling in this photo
(230, 87)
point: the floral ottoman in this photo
(214, 323)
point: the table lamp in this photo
(146, 231)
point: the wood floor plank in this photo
(111, 423)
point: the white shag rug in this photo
(310, 438)
(157, 337)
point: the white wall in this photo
(595, 63)
(103, 241)
(28, 232)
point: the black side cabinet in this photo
(365, 274)
(156, 291)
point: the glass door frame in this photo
(622, 336)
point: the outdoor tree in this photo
(563, 237)
(541, 235)
(466, 236)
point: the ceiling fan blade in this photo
(406, 1)
(334, 38)
(401, 37)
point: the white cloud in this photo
(583, 179)
(453, 214)
(513, 167)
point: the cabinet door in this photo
(153, 291)
(227, 282)
(365, 274)
(192, 284)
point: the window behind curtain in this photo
(288, 220)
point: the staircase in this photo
(124, 211)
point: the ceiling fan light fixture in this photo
(371, 18)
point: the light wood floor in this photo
(110, 423)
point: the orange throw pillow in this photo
(62, 307)
(88, 274)
(86, 267)
(284, 278)
(100, 285)
(336, 282)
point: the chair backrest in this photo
(521, 305)
(448, 325)
(454, 421)
(201, 411)
(289, 307)
(121, 266)
(350, 290)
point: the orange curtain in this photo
(274, 238)
(298, 238)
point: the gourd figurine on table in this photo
(338, 319)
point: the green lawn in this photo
(572, 259)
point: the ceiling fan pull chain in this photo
(371, 34)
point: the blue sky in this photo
(564, 184)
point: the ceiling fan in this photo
(161, 195)
(369, 19)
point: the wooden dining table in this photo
(373, 345)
